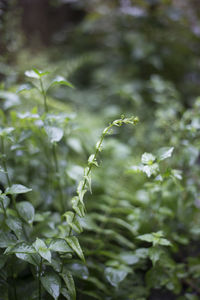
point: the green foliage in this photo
(81, 223)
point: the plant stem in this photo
(39, 280)
(54, 152)
(44, 96)
(98, 149)
(117, 123)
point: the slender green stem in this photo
(118, 123)
(54, 152)
(98, 149)
(39, 281)
(44, 96)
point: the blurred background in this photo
(115, 48)
(127, 57)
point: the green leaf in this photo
(92, 160)
(115, 276)
(79, 270)
(148, 158)
(59, 80)
(21, 247)
(10, 99)
(69, 281)
(65, 293)
(148, 237)
(5, 201)
(81, 191)
(17, 189)
(155, 254)
(129, 258)
(24, 87)
(6, 131)
(35, 73)
(59, 245)
(15, 224)
(150, 169)
(78, 206)
(33, 259)
(26, 211)
(7, 239)
(156, 238)
(74, 244)
(87, 176)
(73, 221)
(40, 73)
(165, 152)
(55, 134)
(32, 74)
(42, 249)
(52, 284)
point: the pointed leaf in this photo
(52, 284)
(21, 247)
(59, 245)
(165, 152)
(115, 276)
(73, 221)
(42, 249)
(69, 281)
(32, 74)
(74, 244)
(17, 189)
(78, 206)
(59, 80)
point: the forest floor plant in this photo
(37, 244)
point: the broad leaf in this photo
(21, 247)
(32, 74)
(42, 249)
(7, 239)
(33, 259)
(115, 276)
(6, 131)
(73, 221)
(74, 244)
(78, 206)
(52, 284)
(59, 245)
(26, 211)
(69, 281)
(15, 224)
(55, 134)
(17, 189)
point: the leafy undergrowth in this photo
(129, 233)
